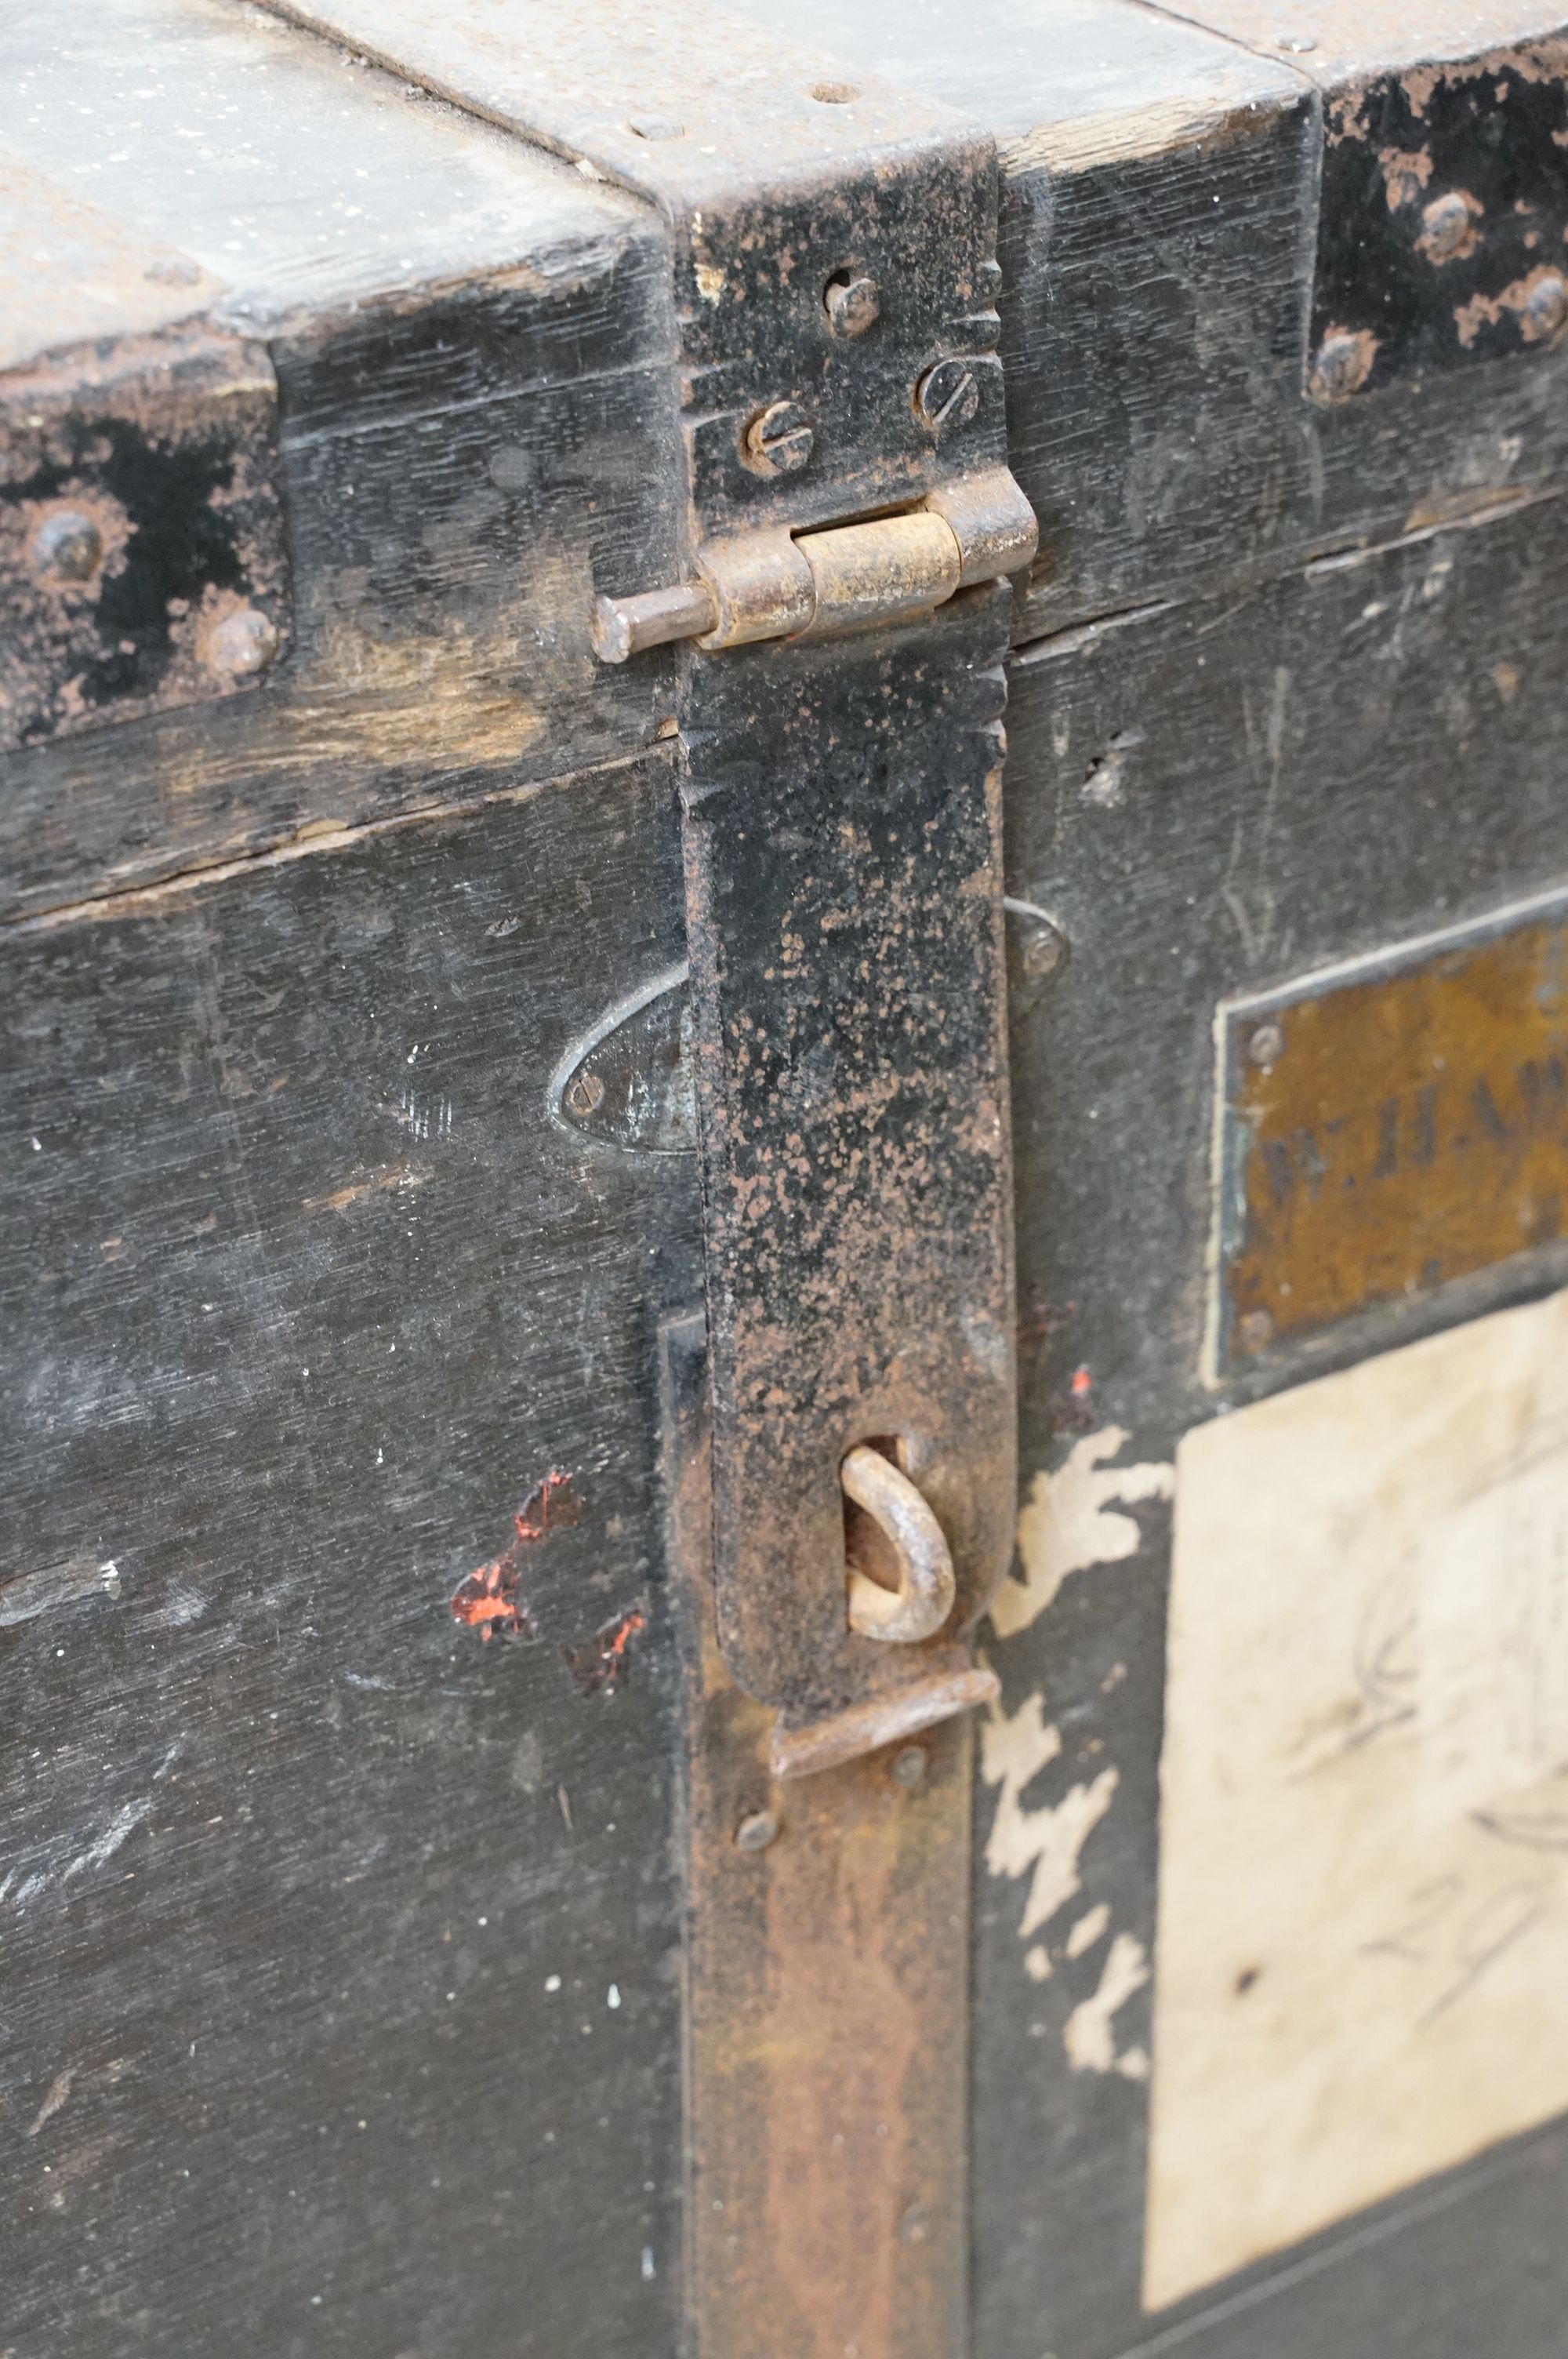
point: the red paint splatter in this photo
(600, 1663)
(1082, 1383)
(487, 1600)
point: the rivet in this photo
(243, 644)
(777, 440)
(1448, 225)
(1266, 1045)
(585, 1093)
(909, 1766)
(852, 302)
(1546, 305)
(947, 395)
(757, 1832)
(1257, 1329)
(69, 544)
(1341, 365)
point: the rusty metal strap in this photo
(833, 279)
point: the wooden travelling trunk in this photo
(669, 1691)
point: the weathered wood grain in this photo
(340, 1946)
(472, 346)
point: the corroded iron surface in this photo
(844, 914)
(826, 2005)
(143, 562)
(1393, 1124)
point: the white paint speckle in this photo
(1088, 2035)
(1049, 1840)
(612, 1996)
(1067, 1524)
(648, 2270)
(552, 1982)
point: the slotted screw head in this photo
(947, 395)
(585, 1093)
(69, 544)
(852, 302)
(778, 440)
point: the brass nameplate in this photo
(1389, 1125)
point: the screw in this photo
(778, 440)
(908, 1768)
(947, 395)
(1257, 1330)
(852, 302)
(243, 644)
(585, 1093)
(1045, 948)
(1448, 226)
(69, 544)
(1546, 305)
(1266, 1045)
(756, 1832)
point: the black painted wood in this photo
(313, 1092)
(342, 1947)
(1219, 796)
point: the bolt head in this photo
(909, 1766)
(1546, 306)
(243, 644)
(68, 544)
(853, 303)
(1266, 1045)
(585, 1093)
(1044, 950)
(757, 1832)
(947, 395)
(1447, 226)
(777, 440)
(1342, 365)
(1257, 1330)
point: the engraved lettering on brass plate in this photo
(1391, 1124)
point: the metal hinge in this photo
(851, 577)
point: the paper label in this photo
(1362, 1959)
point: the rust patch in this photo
(1405, 174)
(827, 1992)
(486, 1600)
(142, 555)
(1538, 303)
(600, 1664)
(1393, 1126)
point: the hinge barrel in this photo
(776, 584)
